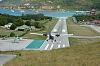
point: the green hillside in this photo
(65, 4)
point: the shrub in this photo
(12, 34)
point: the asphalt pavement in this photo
(85, 37)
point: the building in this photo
(25, 27)
(8, 25)
(95, 22)
(93, 12)
(46, 6)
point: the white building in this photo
(8, 25)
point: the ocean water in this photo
(46, 13)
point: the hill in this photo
(65, 4)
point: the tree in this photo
(38, 17)
(3, 21)
(13, 27)
(38, 25)
(12, 34)
(19, 22)
(28, 23)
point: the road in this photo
(5, 58)
(61, 41)
(85, 37)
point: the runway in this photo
(58, 42)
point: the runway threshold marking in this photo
(46, 46)
(63, 45)
(51, 47)
(59, 46)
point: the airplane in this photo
(55, 32)
(49, 35)
(52, 35)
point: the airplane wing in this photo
(40, 34)
(67, 34)
(36, 34)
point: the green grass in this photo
(7, 32)
(35, 37)
(81, 55)
(83, 52)
(80, 30)
(49, 25)
(78, 41)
